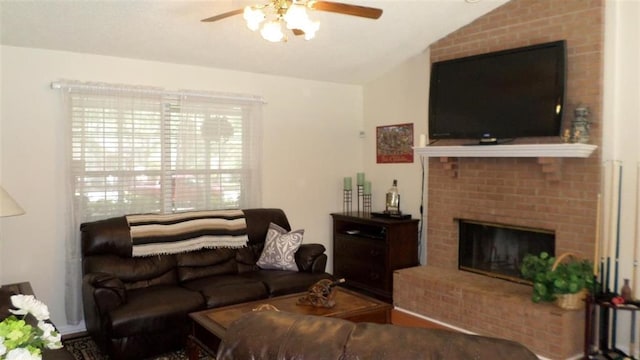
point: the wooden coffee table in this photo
(209, 326)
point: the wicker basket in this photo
(569, 301)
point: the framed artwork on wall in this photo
(394, 144)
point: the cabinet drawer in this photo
(360, 248)
(361, 260)
(367, 275)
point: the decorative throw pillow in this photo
(280, 247)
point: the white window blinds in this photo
(143, 150)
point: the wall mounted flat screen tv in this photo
(499, 95)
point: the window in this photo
(147, 151)
(142, 150)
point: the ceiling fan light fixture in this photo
(271, 17)
(254, 17)
(310, 29)
(296, 17)
(272, 31)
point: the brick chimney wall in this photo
(550, 194)
(517, 191)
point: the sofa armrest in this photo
(108, 292)
(311, 258)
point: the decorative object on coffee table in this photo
(265, 307)
(321, 294)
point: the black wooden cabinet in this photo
(367, 250)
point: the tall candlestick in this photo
(367, 188)
(347, 183)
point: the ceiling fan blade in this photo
(297, 32)
(347, 9)
(223, 15)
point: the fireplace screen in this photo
(497, 250)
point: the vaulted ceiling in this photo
(346, 49)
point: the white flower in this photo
(17, 336)
(50, 336)
(27, 304)
(3, 349)
(22, 354)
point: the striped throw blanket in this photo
(155, 234)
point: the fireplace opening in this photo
(497, 250)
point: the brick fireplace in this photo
(514, 191)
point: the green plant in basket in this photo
(551, 278)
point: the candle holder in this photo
(347, 201)
(366, 203)
(360, 195)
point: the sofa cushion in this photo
(221, 290)
(280, 248)
(247, 257)
(204, 263)
(258, 221)
(153, 309)
(307, 254)
(109, 236)
(282, 282)
(135, 273)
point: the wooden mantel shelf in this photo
(549, 155)
(516, 150)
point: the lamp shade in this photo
(8, 206)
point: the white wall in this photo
(309, 128)
(398, 97)
(621, 121)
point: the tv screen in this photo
(499, 95)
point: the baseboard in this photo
(431, 320)
(70, 331)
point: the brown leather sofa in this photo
(136, 307)
(272, 335)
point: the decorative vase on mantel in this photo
(580, 126)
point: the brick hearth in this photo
(489, 306)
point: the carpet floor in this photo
(83, 348)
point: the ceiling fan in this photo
(273, 15)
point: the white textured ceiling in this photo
(346, 49)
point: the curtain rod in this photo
(155, 91)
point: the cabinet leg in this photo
(604, 328)
(193, 349)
